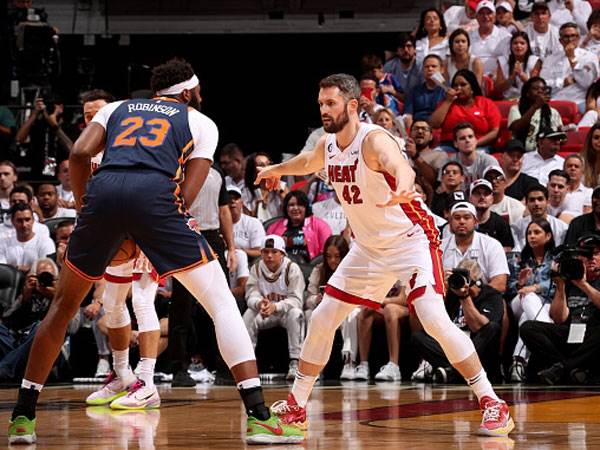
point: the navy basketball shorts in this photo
(140, 205)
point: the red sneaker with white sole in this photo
(290, 413)
(496, 419)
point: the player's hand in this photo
(269, 174)
(397, 197)
(231, 261)
(92, 310)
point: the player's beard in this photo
(337, 124)
(194, 103)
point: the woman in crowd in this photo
(515, 69)
(592, 105)
(591, 156)
(431, 35)
(264, 203)
(533, 113)
(532, 283)
(465, 102)
(385, 118)
(304, 234)
(461, 58)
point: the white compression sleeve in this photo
(144, 293)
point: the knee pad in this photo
(117, 315)
(144, 293)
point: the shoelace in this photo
(135, 386)
(110, 378)
(282, 406)
(492, 413)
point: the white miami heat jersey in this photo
(360, 189)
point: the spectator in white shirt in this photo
(510, 209)
(489, 42)
(540, 163)
(24, 247)
(21, 194)
(558, 206)
(459, 16)
(506, 19)
(248, 232)
(537, 205)
(65, 194)
(578, 195)
(571, 72)
(591, 41)
(564, 11)
(516, 68)
(543, 36)
(8, 178)
(431, 35)
(47, 198)
(466, 243)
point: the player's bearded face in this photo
(334, 124)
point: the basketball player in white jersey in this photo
(123, 389)
(395, 239)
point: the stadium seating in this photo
(567, 109)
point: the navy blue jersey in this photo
(148, 134)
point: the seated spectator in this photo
(558, 180)
(543, 36)
(303, 233)
(62, 233)
(564, 11)
(47, 198)
(388, 87)
(274, 294)
(239, 278)
(450, 188)
(539, 164)
(431, 36)
(488, 222)
(336, 248)
(533, 113)
(465, 102)
(248, 232)
(461, 57)
(8, 179)
(466, 243)
(592, 104)
(264, 204)
(392, 313)
(591, 42)
(505, 18)
(591, 156)
(404, 65)
(331, 212)
(570, 72)
(367, 102)
(426, 160)
(531, 285)
(423, 99)
(516, 68)
(563, 352)
(232, 163)
(511, 162)
(65, 195)
(488, 41)
(386, 119)
(473, 162)
(578, 195)
(459, 16)
(21, 194)
(587, 223)
(536, 201)
(508, 208)
(476, 308)
(24, 247)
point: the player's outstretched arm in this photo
(90, 143)
(383, 154)
(302, 164)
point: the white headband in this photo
(180, 87)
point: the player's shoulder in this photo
(200, 119)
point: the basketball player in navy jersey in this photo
(157, 156)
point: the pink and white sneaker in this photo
(113, 389)
(139, 396)
(496, 419)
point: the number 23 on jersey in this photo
(153, 133)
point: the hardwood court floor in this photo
(351, 416)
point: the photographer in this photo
(570, 345)
(475, 308)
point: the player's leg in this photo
(50, 336)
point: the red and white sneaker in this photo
(496, 419)
(290, 413)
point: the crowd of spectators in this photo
(496, 107)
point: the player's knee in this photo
(145, 314)
(118, 316)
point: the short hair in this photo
(568, 25)
(575, 156)
(64, 223)
(433, 55)
(454, 163)
(46, 184)
(172, 72)
(10, 164)
(302, 201)
(462, 126)
(18, 207)
(21, 190)
(370, 62)
(594, 19)
(97, 94)
(347, 85)
(536, 188)
(231, 150)
(403, 38)
(559, 173)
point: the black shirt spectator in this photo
(586, 223)
(497, 228)
(519, 187)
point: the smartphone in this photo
(368, 92)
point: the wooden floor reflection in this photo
(351, 416)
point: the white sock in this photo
(26, 384)
(121, 366)
(481, 386)
(146, 370)
(303, 386)
(249, 383)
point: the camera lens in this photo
(45, 279)
(457, 281)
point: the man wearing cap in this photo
(572, 71)
(459, 16)
(274, 293)
(248, 232)
(508, 208)
(466, 243)
(558, 205)
(543, 36)
(505, 18)
(540, 163)
(488, 42)
(586, 223)
(489, 222)
(537, 205)
(511, 162)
